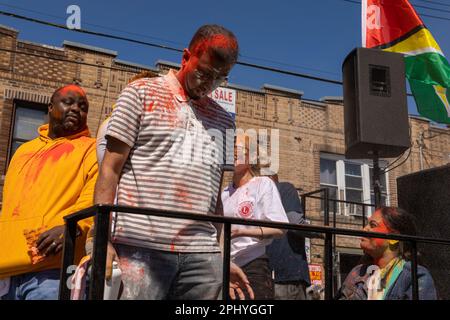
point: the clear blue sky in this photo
(305, 36)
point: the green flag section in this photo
(432, 101)
(427, 69)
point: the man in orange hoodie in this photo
(48, 178)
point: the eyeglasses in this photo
(209, 76)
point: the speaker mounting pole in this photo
(376, 179)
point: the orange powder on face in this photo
(382, 228)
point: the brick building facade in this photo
(311, 133)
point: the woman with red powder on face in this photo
(387, 275)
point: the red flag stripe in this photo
(389, 21)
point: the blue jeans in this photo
(157, 275)
(42, 285)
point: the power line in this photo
(430, 8)
(136, 72)
(289, 64)
(437, 135)
(420, 13)
(161, 39)
(399, 157)
(398, 165)
(291, 73)
(88, 23)
(118, 69)
(247, 64)
(100, 34)
(437, 3)
(60, 26)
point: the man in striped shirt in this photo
(165, 151)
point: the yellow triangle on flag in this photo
(442, 94)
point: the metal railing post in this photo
(364, 215)
(303, 197)
(226, 261)
(68, 255)
(97, 282)
(328, 266)
(414, 278)
(327, 208)
(334, 213)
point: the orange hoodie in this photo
(46, 180)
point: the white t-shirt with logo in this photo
(257, 199)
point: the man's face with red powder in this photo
(68, 111)
(375, 246)
(202, 72)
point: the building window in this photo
(27, 119)
(350, 180)
(328, 179)
(353, 186)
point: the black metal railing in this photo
(326, 205)
(330, 240)
(102, 214)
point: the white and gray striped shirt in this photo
(177, 149)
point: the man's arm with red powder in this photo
(105, 189)
(115, 157)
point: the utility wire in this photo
(164, 40)
(437, 3)
(420, 13)
(398, 165)
(136, 72)
(100, 34)
(89, 24)
(400, 156)
(437, 135)
(246, 64)
(430, 8)
(291, 73)
(289, 96)
(60, 26)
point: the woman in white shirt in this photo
(251, 196)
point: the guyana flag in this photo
(394, 25)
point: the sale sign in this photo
(226, 98)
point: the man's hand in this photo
(111, 256)
(238, 283)
(50, 242)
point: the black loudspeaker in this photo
(426, 195)
(375, 105)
